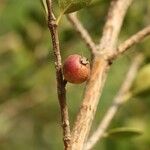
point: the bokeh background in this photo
(29, 110)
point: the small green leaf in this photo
(121, 133)
(69, 6)
(43, 2)
(142, 81)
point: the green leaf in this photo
(121, 133)
(142, 81)
(69, 6)
(43, 2)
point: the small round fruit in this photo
(76, 69)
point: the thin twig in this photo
(120, 98)
(134, 39)
(115, 17)
(82, 31)
(98, 76)
(61, 91)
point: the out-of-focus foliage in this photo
(142, 81)
(122, 133)
(29, 110)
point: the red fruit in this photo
(76, 69)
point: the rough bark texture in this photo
(61, 91)
(89, 105)
(120, 98)
(102, 54)
(99, 72)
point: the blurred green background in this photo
(29, 110)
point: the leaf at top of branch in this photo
(123, 132)
(69, 6)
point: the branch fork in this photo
(103, 54)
